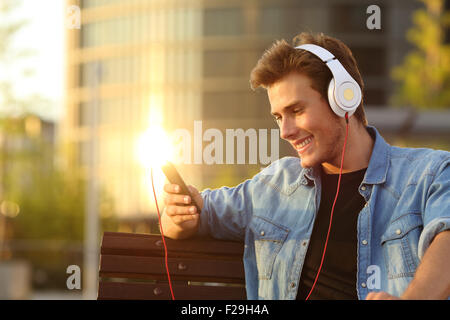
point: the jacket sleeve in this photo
(436, 215)
(227, 211)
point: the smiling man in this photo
(350, 218)
(307, 122)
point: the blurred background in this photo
(84, 83)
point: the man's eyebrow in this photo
(300, 104)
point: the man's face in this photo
(306, 121)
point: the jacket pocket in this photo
(400, 245)
(269, 238)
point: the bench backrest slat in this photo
(129, 261)
(183, 268)
(141, 244)
(161, 291)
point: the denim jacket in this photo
(407, 194)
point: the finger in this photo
(180, 210)
(379, 296)
(194, 192)
(172, 188)
(197, 197)
(177, 199)
(192, 189)
(387, 296)
(184, 218)
(370, 296)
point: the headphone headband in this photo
(320, 52)
(344, 93)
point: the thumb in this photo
(196, 196)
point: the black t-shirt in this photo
(337, 279)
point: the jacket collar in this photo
(379, 160)
(378, 165)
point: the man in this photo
(388, 237)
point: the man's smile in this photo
(302, 144)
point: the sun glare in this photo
(153, 148)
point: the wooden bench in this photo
(132, 267)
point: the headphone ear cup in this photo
(339, 111)
(332, 100)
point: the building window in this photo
(281, 20)
(228, 63)
(83, 115)
(352, 18)
(234, 105)
(223, 22)
(372, 61)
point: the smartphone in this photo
(174, 177)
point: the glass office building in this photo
(180, 61)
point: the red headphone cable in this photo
(162, 236)
(326, 241)
(332, 210)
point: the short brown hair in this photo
(282, 59)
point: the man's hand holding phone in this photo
(183, 205)
(181, 215)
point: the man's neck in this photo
(357, 151)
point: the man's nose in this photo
(287, 129)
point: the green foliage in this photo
(50, 200)
(48, 230)
(424, 76)
(50, 223)
(436, 144)
(10, 103)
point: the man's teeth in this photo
(304, 143)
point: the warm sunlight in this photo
(153, 147)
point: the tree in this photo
(46, 226)
(424, 76)
(10, 103)
(49, 227)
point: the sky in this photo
(44, 34)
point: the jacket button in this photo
(364, 242)
(398, 231)
(262, 233)
(292, 284)
(363, 284)
(363, 188)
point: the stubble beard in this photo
(329, 152)
(333, 153)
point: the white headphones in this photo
(344, 93)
